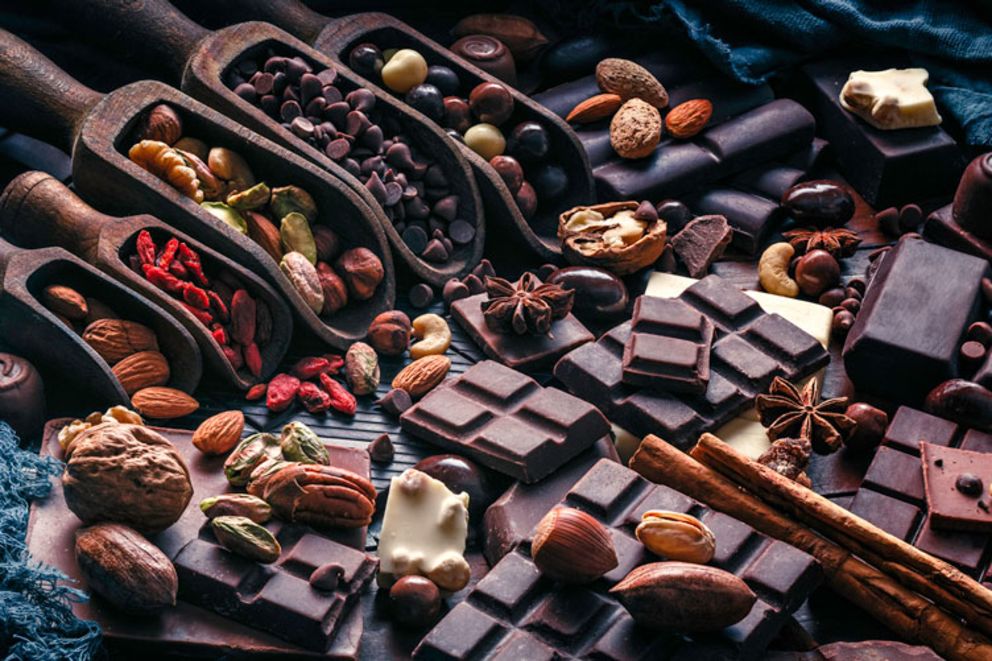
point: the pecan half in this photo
(321, 496)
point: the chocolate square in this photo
(669, 346)
(951, 506)
(896, 473)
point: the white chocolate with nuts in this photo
(424, 529)
(891, 99)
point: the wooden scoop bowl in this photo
(37, 210)
(336, 37)
(198, 60)
(31, 330)
(42, 100)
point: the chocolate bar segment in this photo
(749, 349)
(507, 421)
(669, 346)
(956, 484)
(514, 608)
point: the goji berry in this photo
(168, 253)
(145, 247)
(256, 392)
(191, 261)
(253, 359)
(243, 317)
(220, 335)
(218, 307)
(263, 323)
(313, 398)
(196, 297)
(341, 400)
(310, 368)
(163, 279)
(177, 269)
(233, 355)
(281, 392)
(335, 362)
(202, 316)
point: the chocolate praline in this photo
(489, 54)
(822, 203)
(22, 396)
(461, 474)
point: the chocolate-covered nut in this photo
(421, 295)
(529, 141)
(395, 402)
(832, 297)
(457, 114)
(821, 203)
(485, 140)
(509, 170)
(980, 331)
(454, 290)
(550, 182)
(545, 271)
(599, 294)
(460, 474)
(427, 98)
(526, 200)
(969, 484)
(22, 396)
(675, 214)
(444, 78)
(964, 402)
(843, 320)
(381, 449)
(491, 103)
(489, 54)
(816, 272)
(415, 602)
(869, 429)
(851, 304)
(888, 221)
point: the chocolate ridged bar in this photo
(505, 420)
(669, 346)
(515, 613)
(892, 495)
(943, 229)
(750, 349)
(907, 335)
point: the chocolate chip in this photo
(435, 252)
(302, 127)
(939, 463)
(263, 83)
(454, 289)
(482, 269)
(381, 449)
(337, 149)
(474, 283)
(910, 218)
(447, 207)
(247, 92)
(983, 505)
(646, 211)
(395, 401)
(675, 214)
(421, 295)
(376, 187)
(969, 484)
(415, 239)
(461, 232)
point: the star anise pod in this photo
(838, 241)
(524, 307)
(789, 412)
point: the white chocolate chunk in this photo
(423, 532)
(891, 99)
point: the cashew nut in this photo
(434, 336)
(773, 270)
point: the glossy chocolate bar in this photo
(507, 421)
(942, 228)
(751, 347)
(669, 346)
(908, 333)
(516, 613)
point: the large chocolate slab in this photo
(507, 421)
(751, 347)
(514, 612)
(916, 310)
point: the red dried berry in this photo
(263, 323)
(163, 279)
(256, 392)
(196, 296)
(341, 400)
(145, 247)
(217, 305)
(313, 398)
(168, 253)
(281, 392)
(233, 355)
(177, 269)
(335, 363)
(253, 359)
(242, 317)
(202, 316)
(220, 335)
(309, 368)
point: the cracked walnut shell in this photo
(611, 237)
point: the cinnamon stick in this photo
(906, 613)
(932, 577)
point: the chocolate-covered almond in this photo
(822, 203)
(598, 293)
(964, 402)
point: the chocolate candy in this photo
(515, 612)
(489, 54)
(821, 203)
(669, 346)
(750, 348)
(599, 294)
(964, 224)
(906, 337)
(460, 474)
(22, 396)
(955, 493)
(522, 352)
(504, 420)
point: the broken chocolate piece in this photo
(955, 492)
(381, 449)
(701, 242)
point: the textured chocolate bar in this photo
(751, 347)
(955, 482)
(892, 495)
(507, 421)
(516, 613)
(669, 346)
(906, 337)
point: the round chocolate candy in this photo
(427, 98)
(599, 294)
(489, 54)
(832, 297)
(415, 239)
(415, 601)
(491, 102)
(461, 474)
(461, 232)
(529, 141)
(969, 484)
(457, 114)
(510, 170)
(454, 290)
(444, 78)
(817, 271)
(526, 200)
(22, 396)
(870, 426)
(822, 203)
(550, 182)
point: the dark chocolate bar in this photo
(913, 317)
(522, 352)
(942, 228)
(964, 224)
(505, 420)
(956, 485)
(515, 612)
(751, 347)
(669, 346)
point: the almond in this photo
(163, 403)
(420, 376)
(141, 370)
(594, 108)
(65, 301)
(631, 81)
(263, 232)
(636, 129)
(219, 433)
(116, 339)
(688, 118)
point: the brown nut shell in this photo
(635, 129)
(572, 547)
(588, 248)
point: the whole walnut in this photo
(361, 270)
(389, 333)
(127, 474)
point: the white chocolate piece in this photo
(891, 99)
(423, 532)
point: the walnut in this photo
(621, 237)
(167, 164)
(126, 474)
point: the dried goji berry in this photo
(263, 323)
(243, 317)
(233, 355)
(145, 247)
(220, 335)
(163, 279)
(196, 297)
(177, 269)
(256, 392)
(341, 400)
(218, 306)
(335, 362)
(202, 316)
(191, 261)
(313, 398)
(310, 368)
(281, 392)
(168, 253)
(253, 359)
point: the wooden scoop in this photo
(31, 330)
(198, 59)
(336, 37)
(42, 100)
(38, 210)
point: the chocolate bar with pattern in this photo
(507, 421)
(751, 347)
(515, 612)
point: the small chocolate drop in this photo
(969, 484)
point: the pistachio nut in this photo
(361, 368)
(294, 230)
(241, 535)
(676, 536)
(289, 199)
(236, 504)
(227, 215)
(249, 453)
(299, 443)
(250, 198)
(231, 167)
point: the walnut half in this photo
(621, 237)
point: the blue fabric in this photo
(752, 39)
(36, 618)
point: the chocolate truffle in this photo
(22, 397)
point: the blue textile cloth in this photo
(752, 39)
(36, 618)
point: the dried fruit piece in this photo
(219, 433)
(163, 403)
(241, 535)
(314, 399)
(309, 368)
(361, 368)
(142, 370)
(256, 392)
(236, 504)
(299, 443)
(789, 457)
(281, 392)
(422, 375)
(342, 401)
(242, 317)
(572, 547)
(249, 453)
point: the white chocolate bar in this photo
(891, 99)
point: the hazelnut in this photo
(870, 428)
(415, 601)
(328, 243)
(163, 124)
(335, 291)
(832, 297)
(843, 320)
(389, 333)
(361, 271)
(816, 272)
(572, 547)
